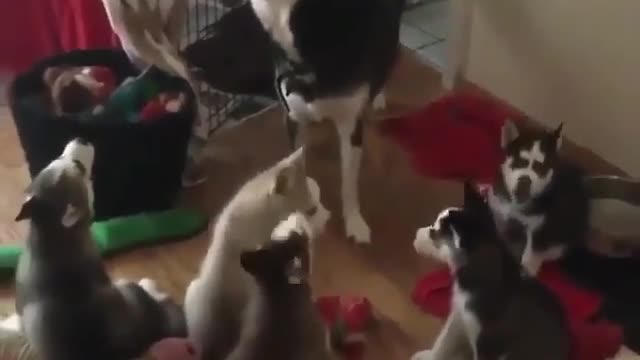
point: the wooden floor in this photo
(394, 200)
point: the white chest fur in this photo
(471, 324)
(504, 210)
(274, 16)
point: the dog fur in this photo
(493, 297)
(66, 303)
(282, 321)
(539, 200)
(332, 59)
(217, 299)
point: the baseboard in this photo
(582, 156)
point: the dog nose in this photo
(82, 141)
(523, 187)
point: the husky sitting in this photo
(282, 321)
(498, 312)
(539, 201)
(67, 306)
(216, 300)
(332, 59)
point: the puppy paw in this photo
(356, 228)
(295, 223)
(152, 289)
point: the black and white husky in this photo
(540, 202)
(332, 59)
(498, 312)
(66, 304)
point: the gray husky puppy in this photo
(216, 300)
(498, 311)
(67, 305)
(282, 321)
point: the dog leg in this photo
(450, 344)
(350, 133)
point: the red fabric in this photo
(33, 29)
(591, 341)
(441, 137)
(348, 318)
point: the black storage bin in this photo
(138, 166)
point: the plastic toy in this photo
(348, 319)
(124, 233)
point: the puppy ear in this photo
(472, 197)
(509, 133)
(71, 216)
(557, 136)
(293, 169)
(284, 180)
(27, 209)
(254, 261)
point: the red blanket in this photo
(33, 29)
(591, 340)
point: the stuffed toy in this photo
(142, 98)
(73, 89)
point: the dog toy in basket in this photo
(348, 319)
(127, 232)
(144, 98)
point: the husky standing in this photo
(215, 302)
(67, 306)
(332, 59)
(540, 202)
(498, 311)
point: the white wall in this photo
(576, 61)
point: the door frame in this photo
(457, 42)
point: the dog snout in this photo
(523, 188)
(423, 240)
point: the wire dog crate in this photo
(225, 109)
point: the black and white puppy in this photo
(540, 202)
(498, 312)
(332, 59)
(282, 321)
(67, 305)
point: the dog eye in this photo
(519, 163)
(312, 211)
(539, 168)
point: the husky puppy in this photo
(540, 202)
(332, 59)
(498, 311)
(67, 306)
(282, 321)
(216, 300)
